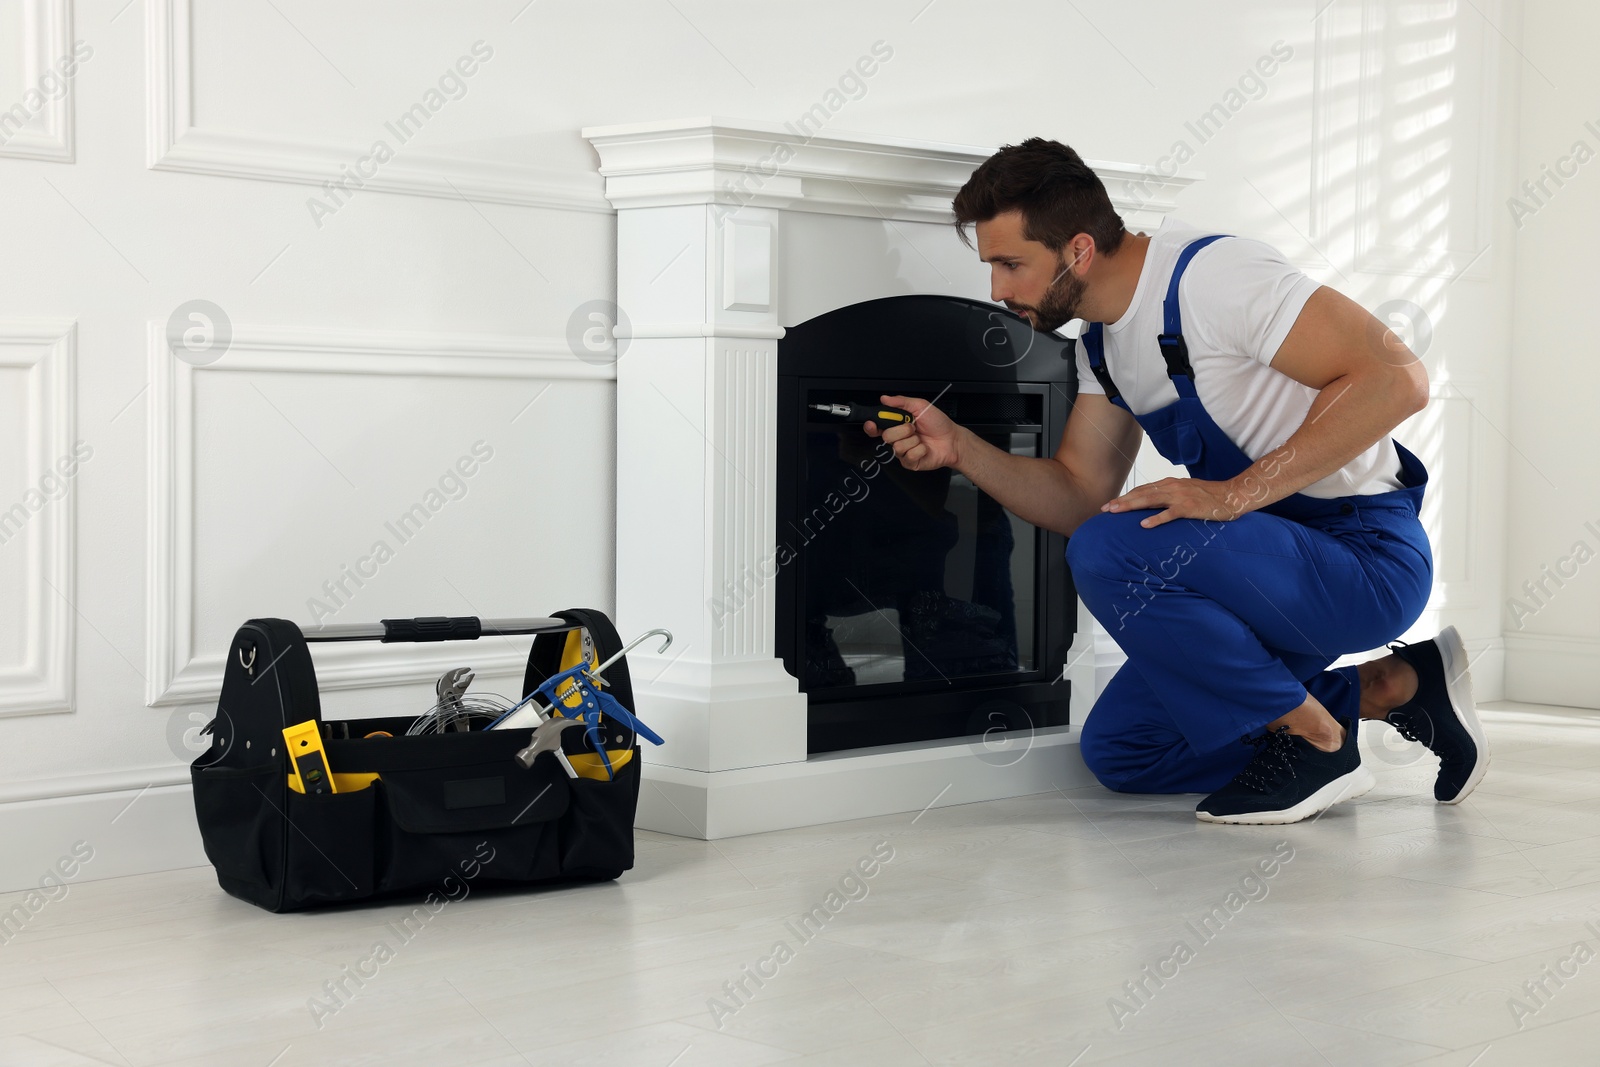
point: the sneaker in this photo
(1442, 714)
(1289, 779)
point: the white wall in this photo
(1552, 606)
(373, 345)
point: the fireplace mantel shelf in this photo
(736, 163)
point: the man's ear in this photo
(1080, 253)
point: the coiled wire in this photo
(480, 709)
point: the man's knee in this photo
(1110, 570)
(1107, 546)
(1095, 747)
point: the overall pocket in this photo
(1188, 446)
(1175, 435)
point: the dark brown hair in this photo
(1058, 194)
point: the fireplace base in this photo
(857, 784)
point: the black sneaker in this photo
(1442, 714)
(1289, 779)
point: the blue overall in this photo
(1227, 625)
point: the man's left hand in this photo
(1182, 498)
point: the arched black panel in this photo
(921, 336)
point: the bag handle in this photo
(436, 628)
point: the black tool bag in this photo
(446, 809)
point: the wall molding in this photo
(175, 672)
(723, 331)
(46, 38)
(174, 143)
(44, 682)
(129, 780)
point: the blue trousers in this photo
(1228, 625)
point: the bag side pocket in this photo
(597, 832)
(240, 829)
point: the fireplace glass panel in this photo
(915, 576)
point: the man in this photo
(1293, 541)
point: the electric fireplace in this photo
(729, 233)
(909, 604)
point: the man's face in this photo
(1026, 276)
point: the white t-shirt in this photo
(1239, 299)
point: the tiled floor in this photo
(1054, 929)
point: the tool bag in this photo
(445, 809)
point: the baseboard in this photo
(137, 830)
(1545, 669)
(839, 786)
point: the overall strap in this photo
(1173, 348)
(1095, 345)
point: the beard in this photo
(1061, 300)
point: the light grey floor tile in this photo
(1473, 1006)
(1272, 1040)
(1529, 781)
(1571, 1043)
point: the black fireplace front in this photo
(911, 605)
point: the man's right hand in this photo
(928, 443)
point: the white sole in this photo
(1346, 787)
(1458, 686)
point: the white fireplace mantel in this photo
(727, 231)
(740, 164)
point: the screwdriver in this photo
(883, 416)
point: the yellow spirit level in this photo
(308, 762)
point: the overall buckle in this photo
(1176, 353)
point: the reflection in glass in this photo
(910, 576)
